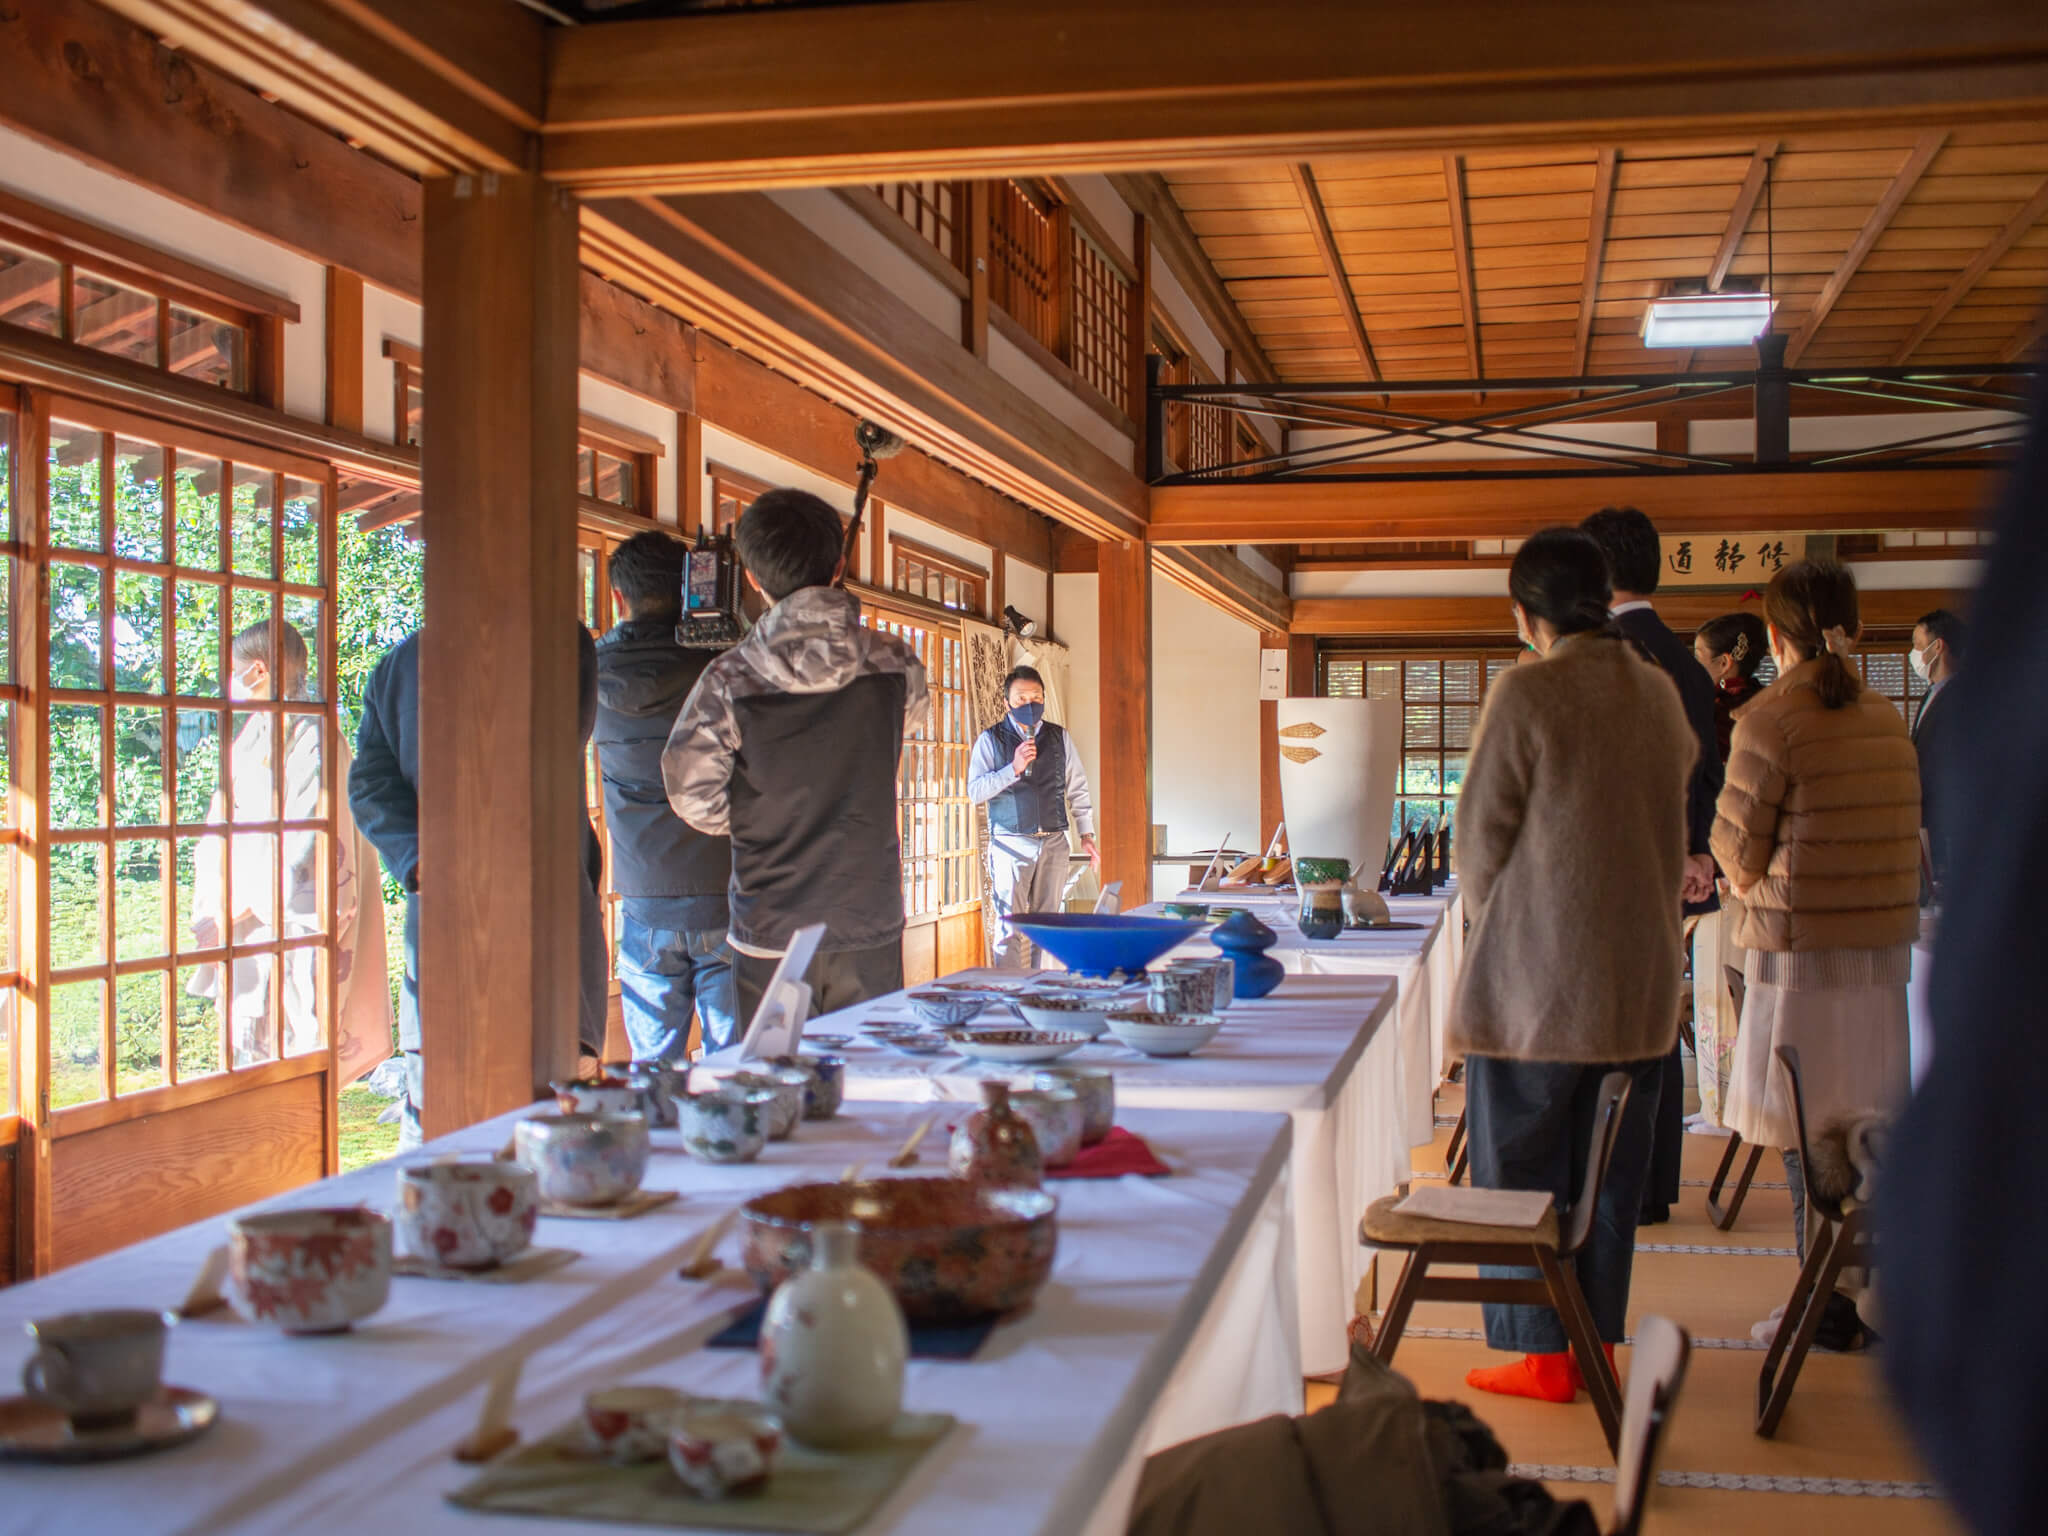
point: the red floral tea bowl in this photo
(632, 1423)
(468, 1214)
(309, 1271)
(949, 1250)
(722, 1448)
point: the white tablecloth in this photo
(1319, 1049)
(1169, 1314)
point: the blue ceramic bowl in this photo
(1095, 944)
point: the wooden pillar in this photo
(1124, 634)
(691, 514)
(1269, 751)
(501, 790)
(344, 350)
(974, 314)
(1138, 321)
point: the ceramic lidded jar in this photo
(994, 1146)
(1245, 940)
(833, 1347)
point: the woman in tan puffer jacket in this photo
(1818, 830)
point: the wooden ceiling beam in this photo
(1925, 148)
(1752, 188)
(1224, 580)
(821, 95)
(1461, 255)
(453, 86)
(1181, 249)
(1333, 263)
(1989, 257)
(1332, 511)
(1486, 617)
(1596, 245)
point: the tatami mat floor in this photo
(1840, 1461)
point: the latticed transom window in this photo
(918, 571)
(1102, 309)
(189, 750)
(1025, 258)
(935, 209)
(940, 862)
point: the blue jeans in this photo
(409, 1133)
(665, 975)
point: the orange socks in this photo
(1547, 1378)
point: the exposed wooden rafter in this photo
(1982, 262)
(1461, 253)
(1739, 216)
(1223, 579)
(1925, 148)
(1181, 249)
(821, 95)
(2026, 339)
(1596, 246)
(1333, 263)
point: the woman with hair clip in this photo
(1818, 830)
(1572, 832)
(1731, 648)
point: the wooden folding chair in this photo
(1548, 1248)
(1457, 1156)
(1847, 1240)
(1656, 1370)
(1723, 1216)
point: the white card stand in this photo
(1111, 901)
(777, 1028)
(1212, 877)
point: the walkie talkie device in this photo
(711, 618)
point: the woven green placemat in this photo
(810, 1492)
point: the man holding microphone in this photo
(1026, 771)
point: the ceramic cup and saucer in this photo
(95, 1391)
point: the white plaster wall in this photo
(47, 176)
(1025, 588)
(1483, 582)
(944, 540)
(1095, 194)
(1205, 721)
(1168, 294)
(1908, 575)
(386, 317)
(623, 408)
(1266, 568)
(825, 213)
(1012, 365)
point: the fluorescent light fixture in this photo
(1707, 320)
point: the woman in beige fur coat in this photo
(1571, 858)
(1818, 830)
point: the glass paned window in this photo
(113, 317)
(31, 288)
(209, 350)
(138, 500)
(74, 516)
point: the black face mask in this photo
(1026, 716)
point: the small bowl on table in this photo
(474, 1213)
(600, 1096)
(725, 1125)
(1057, 1118)
(584, 1159)
(824, 1081)
(719, 1449)
(779, 1090)
(630, 1424)
(317, 1270)
(914, 1042)
(1016, 1047)
(938, 1008)
(1063, 1012)
(1164, 1034)
(1096, 1088)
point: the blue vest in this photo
(1037, 802)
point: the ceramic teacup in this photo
(657, 1082)
(825, 1087)
(629, 1424)
(310, 1271)
(98, 1367)
(723, 1126)
(1056, 1117)
(468, 1214)
(584, 1159)
(719, 1449)
(783, 1090)
(613, 1094)
(1097, 1089)
(1178, 988)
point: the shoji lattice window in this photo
(940, 864)
(1101, 325)
(935, 209)
(921, 571)
(1025, 259)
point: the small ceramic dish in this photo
(1096, 1087)
(914, 1042)
(945, 1009)
(629, 1424)
(782, 1092)
(583, 1159)
(1074, 981)
(829, 1042)
(1064, 1012)
(33, 1429)
(720, 1448)
(600, 1096)
(1016, 1047)
(1057, 1118)
(1164, 1034)
(824, 1081)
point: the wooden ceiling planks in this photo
(1539, 259)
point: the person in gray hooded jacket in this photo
(789, 744)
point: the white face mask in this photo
(240, 688)
(1919, 661)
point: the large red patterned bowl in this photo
(951, 1251)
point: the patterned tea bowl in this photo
(825, 1082)
(949, 1250)
(1057, 1118)
(629, 1424)
(310, 1271)
(600, 1096)
(1057, 1011)
(937, 1009)
(720, 1448)
(1097, 1089)
(781, 1090)
(1164, 1034)
(723, 1126)
(584, 1159)
(657, 1083)
(469, 1214)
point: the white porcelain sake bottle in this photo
(833, 1346)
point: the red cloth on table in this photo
(1115, 1155)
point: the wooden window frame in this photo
(733, 485)
(75, 243)
(639, 449)
(408, 372)
(902, 549)
(875, 205)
